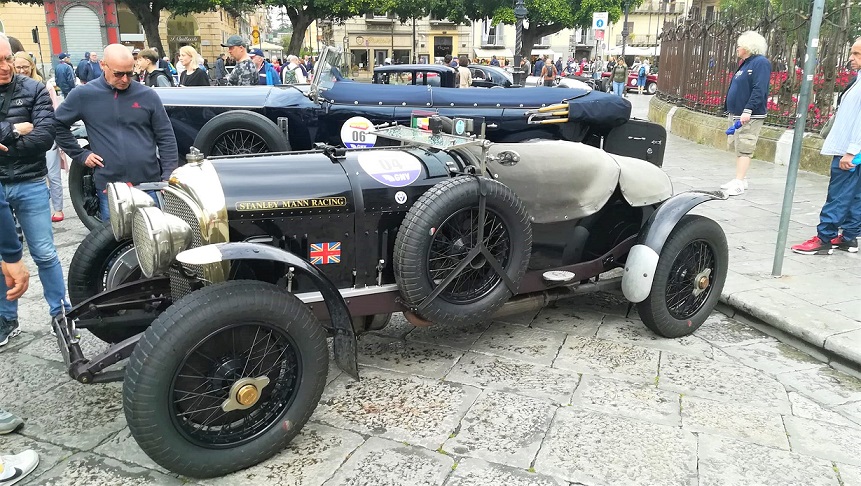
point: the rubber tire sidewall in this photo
(155, 360)
(76, 194)
(414, 239)
(88, 263)
(651, 88)
(653, 311)
(241, 119)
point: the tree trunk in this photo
(301, 20)
(533, 34)
(149, 21)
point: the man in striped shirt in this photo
(843, 204)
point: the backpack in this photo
(642, 71)
(289, 76)
(550, 70)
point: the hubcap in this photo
(123, 269)
(244, 393)
(702, 281)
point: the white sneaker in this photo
(734, 188)
(15, 468)
(726, 186)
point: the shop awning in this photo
(488, 53)
(544, 52)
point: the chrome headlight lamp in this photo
(158, 238)
(122, 202)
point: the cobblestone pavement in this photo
(574, 394)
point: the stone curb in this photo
(824, 329)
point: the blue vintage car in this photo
(258, 119)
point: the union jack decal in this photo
(324, 253)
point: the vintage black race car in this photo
(223, 298)
(259, 119)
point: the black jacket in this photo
(157, 79)
(25, 159)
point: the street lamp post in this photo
(625, 29)
(519, 14)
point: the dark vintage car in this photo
(222, 298)
(445, 76)
(258, 119)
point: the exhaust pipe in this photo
(537, 300)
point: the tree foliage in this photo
(303, 13)
(148, 12)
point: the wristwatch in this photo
(16, 133)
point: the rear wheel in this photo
(240, 132)
(225, 378)
(689, 278)
(652, 88)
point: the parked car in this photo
(223, 120)
(651, 82)
(440, 75)
(222, 300)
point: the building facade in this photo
(78, 26)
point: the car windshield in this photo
(326, 72)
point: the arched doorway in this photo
(82, 30)
(182, 31)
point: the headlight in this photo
(158, 238)
(122, 201)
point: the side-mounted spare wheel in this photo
(225, 378)
(102, 263)
(689, 278)
(240, 132)
(439, 245)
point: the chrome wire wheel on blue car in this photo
(688, 279)
(239, 142)
(225, 378)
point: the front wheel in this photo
(652, 88)
(689, 278)
(225, 378)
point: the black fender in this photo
(661, 223)
(642, 260)
(345, 337)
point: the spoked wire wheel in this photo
(235, 384)
(239, 142)
(225, 378)
(451, 244)
(689, 284)
(459, 256)
(689, 278)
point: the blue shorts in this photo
(641, 81)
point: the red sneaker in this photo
(813, 246)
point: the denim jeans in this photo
(55, 180)
(842, 206)
(29, 202)
(106, 212)
(618, 88)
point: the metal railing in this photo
(698, 60)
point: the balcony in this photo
(377, 18)
(661, 6)
(639, 40)
(493, 41)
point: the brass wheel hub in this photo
(702, 281)
(245, 393)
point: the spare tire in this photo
(240, 132)
(438, 233)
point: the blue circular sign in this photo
(599, 22)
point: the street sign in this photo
(599, 34)
(255, 36)
(600, 20)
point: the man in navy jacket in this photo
(746, 102)
(65, 74)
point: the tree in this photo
(148, 12)
(303, 13)
(545, 17)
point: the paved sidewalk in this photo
(818, 297)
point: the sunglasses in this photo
(120, 74)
